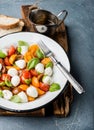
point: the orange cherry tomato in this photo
(6, 61)
(11, 50)
(43, 86)
(35, 82)
(23, 87)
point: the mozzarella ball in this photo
(7, 94)
(48, 71)
(39, 68)
(23, 97)
(12, 72)
(20, 63)
(47, 80)
(24, 49)
(1, 66)
(32, 91)
(15, 80)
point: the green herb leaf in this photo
(2, 55)
(16, 99)
(49, 64)
(40, 54)
(1, 93)
(22, 43)
(2, 83)
(28, 81)
(54, 87)
(32, 63)
(8, 83)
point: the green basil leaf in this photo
(49, 64)
(1, 93)
(22, 43)
(2, 83)
(2, 55)
(8, 83)
(54, 87)
(16, 99)
(28, 81)
(40, 54)
(32, 63)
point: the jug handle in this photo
(63, 12)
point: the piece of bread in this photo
(7, 22)
(18, 28)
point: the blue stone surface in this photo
(80, 24)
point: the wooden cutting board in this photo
(61, 106)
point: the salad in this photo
(25, 73)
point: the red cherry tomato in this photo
(43, 86)
(5, 76)
(25, 75)
(34, 72)
(11, 50)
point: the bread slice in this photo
(7, 22)
(18, 28)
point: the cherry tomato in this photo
(6, 61)
(25, 76)
(34, 72)
(5, 76)
(35, 82)
(43, 86)
(11, 50)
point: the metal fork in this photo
(65, 72)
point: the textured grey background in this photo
(80, 23)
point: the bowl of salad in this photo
(28, 78)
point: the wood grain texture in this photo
(61, 106)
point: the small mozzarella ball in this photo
(12, 72)
(47, 80)
(48, 71)
(1, 66)
(7, 94)
(39, 68)
(21, 63)
(24, 49)
(32, 91)
(15, 80)
(23, 97)
(5, 51)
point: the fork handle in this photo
(68, 76)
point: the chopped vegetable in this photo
(32, 63)
(1, 93)
(11, 50)
(44, 87)
(49, 64)
(2, 54)
(40, 54)
(16, 99)
(12, 58)
(54, 87)
(35, 82)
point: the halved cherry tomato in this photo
(34, 72)
(23, 87)
(43, 86)
(26, 75)
(11, 50)
(6, 61)
(5, 76)
(35, 82)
